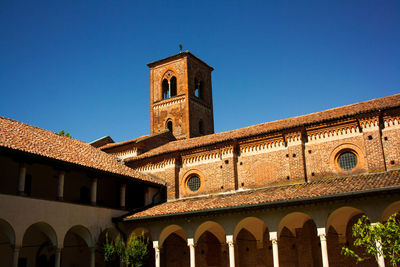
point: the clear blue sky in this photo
(81, 65)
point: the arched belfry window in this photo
(173, 86)
(165, 89)
(197, 88)
(169, 85)
(169, 126)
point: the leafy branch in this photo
(379, 239)
(133, 253)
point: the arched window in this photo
(197, 88)
(165, 89)
(201, 127)
(173, 86)
(169, 126)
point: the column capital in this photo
(321, 232)
(190, 242)
(229, 240)
(156, 245)
(273, 236)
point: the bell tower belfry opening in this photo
(181, 96)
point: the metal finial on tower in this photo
(180, 48)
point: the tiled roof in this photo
(23, 137)
(313, 118)
(101, 141)
(321, 188)
(132, 141)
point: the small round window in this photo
(347, 160)
(194, 183)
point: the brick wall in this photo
(289, 157)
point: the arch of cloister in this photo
(288, 237)
(285, 237)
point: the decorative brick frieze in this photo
(391, 123)
(227, 152)
(294, 138)
(157, 166)
(126, 154)
(269, 145)
(169, 102)
(369, 124)
(333, 133)
(201, 158)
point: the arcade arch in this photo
(253, 247)
(211, 248)
(299, 244)
(78, 248)
(39, 246)
(174, 249)
(7, 243)
(389, 210)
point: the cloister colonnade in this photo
(289, 236)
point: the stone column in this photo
(324, 248)
(122, 196)
(273, 236)
(58, 257)
(93, 195)
(16, 256)
(229, 240)
(380, 258)
(157, 253)
(21, 179)
(60, 187)
(169, 89)
(92, 257)
(192, 252)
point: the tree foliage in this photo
(63, 133)
(380, 239)
(133, 253)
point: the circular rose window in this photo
(347, 160)
(194, 183)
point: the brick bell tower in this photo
(181, 96)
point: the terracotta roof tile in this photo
(321, 188)
(23, 137)
(335, 113)
(112, 145)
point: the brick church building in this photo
(283, 193)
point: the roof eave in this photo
(177, 56)
(394, 189)
(66, 164)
